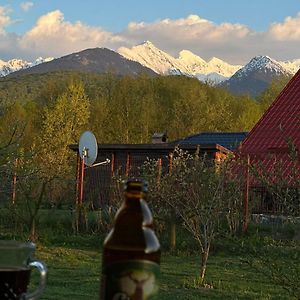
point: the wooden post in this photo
(246, 196)
(113, 164)
(81, 182)
(173, 235)
(127, 164)
(79, 220)
(14, 183)
(172, 222)
(159, 167)
(78, 167)
(170, 162)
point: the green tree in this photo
(12, 128)
(271, 93)
(129, 115)
(45, 171)
(61, 127)
(248, 112)
(30, 193)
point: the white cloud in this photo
(52, 35)
(187, 29)
(26, 6)
(5, 19)
(193, 33)
(289, 30)
(236, 43)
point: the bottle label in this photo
(131, 280)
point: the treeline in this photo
(131, 109)
(40, 115)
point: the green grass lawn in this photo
(74, 262)
(75, 274)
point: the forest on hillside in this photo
(40, 115)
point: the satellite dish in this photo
(88, 148)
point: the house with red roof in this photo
(271, 147)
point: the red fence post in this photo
(81, 182)
(127, 164)
(113, 164)
(246, 196)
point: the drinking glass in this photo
(16, 262)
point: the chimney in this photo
(159, 138)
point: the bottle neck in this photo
(134, 195)
(135, 203)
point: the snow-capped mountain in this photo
(95, 60)
(13, 65)
(292, 66)
(187, 63)
(150, 56)
(255, 76)
(221, 67)
(250, 79)
(211, 78)
(262, 64)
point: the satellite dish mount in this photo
(88, 151)
(88, 148)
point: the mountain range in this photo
(98, 60)
(255, 76)
(251, 78)
(13, 65)
(186, 64)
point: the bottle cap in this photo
(134, 185)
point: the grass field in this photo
(74, 273)
(74, 263)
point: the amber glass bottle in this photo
(131, 254)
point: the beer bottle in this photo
(131, 252)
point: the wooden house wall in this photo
(124, 163)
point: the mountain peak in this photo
(262, 60)
(189, 57)
(187, 63)
(96, 60)
(261, 63)
(255, 76)
(215, 61)
(150, 56)
(147, 43)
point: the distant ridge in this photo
(97, 60)
(255, 76)
(251, 79)
(13, 65)
(187, 63)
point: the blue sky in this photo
(233, 30)
(115, 15)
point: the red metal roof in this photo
(267, 143)
(278, 124)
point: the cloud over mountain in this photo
(52, 35)
(289, 30)
(4, 17)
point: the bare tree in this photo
(30, 191)
(197, 192)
